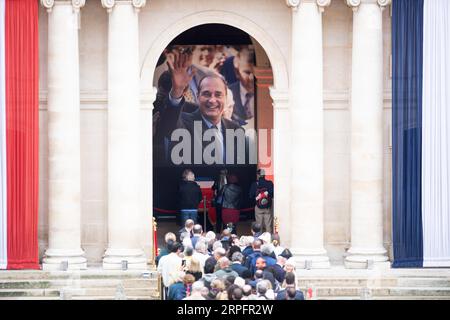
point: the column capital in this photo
(321, 4)
(137, 4)
(76, 4)
(280, 98)
(354, 4)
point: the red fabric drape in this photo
(22, 132)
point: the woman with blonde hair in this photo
(194, 267)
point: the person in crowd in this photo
(193, 267)
(266, 238)
(268, 255)
(201, 252)
(197, 233)
(217, 287)
(213, 260)
(186, 239)
(182, 288)
(190, 196)
(247, 293)
(232, 250)
(266, 274)
(197, 289)
(278, 269)
(261, 192)
(231, 203)
(208, 275)
(289, 267)
(246, 245)
(169, 265)
(236, 294)
(290, 284)
(250, 262)
(276, 243)
(262, 288)
(225, 269)
(256, 229)
(210, 237)
(237, 260)
(187, 229)
(168, 237)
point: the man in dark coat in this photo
(290, 283)
(250, 262)
(190, 196)
(237, 266)
(182, 288)
(205, 123)
(261, 192)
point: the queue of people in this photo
(202, 265)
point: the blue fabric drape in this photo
(407, 52)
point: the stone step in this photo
(111, 292)
(86, 274)
(113, 298)
(381, 292)
(423, 282)
(78, 283)
(349, 282)
(29, 293)
(385, 298)
(31, 298)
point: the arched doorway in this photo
(243, 64)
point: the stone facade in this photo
(273, 24)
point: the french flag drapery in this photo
(19, 134)
(421, 133)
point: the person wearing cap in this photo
(261, 191)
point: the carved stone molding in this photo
(76, 4)
(293, 4)
(354, 4)
(137, 4)
(384, 3)
(321, 4)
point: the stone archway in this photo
(277, 60)
(278, 92)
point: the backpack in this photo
(263, 199)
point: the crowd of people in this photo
(195, 265)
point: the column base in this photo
(54, 259)
(367, 259)
(136, 259)
(311, 259)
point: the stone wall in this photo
(272, 16)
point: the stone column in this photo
(367, 135)
(264, 121)
(281, 163)
(63, 112)
(124, 218)
(307, 197)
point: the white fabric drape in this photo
(3, 215)
(436, 134)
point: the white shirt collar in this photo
(210, 124)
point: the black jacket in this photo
(173, 117)
(242, 271)
(232, 195)
(261, 183)
(190, 195)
